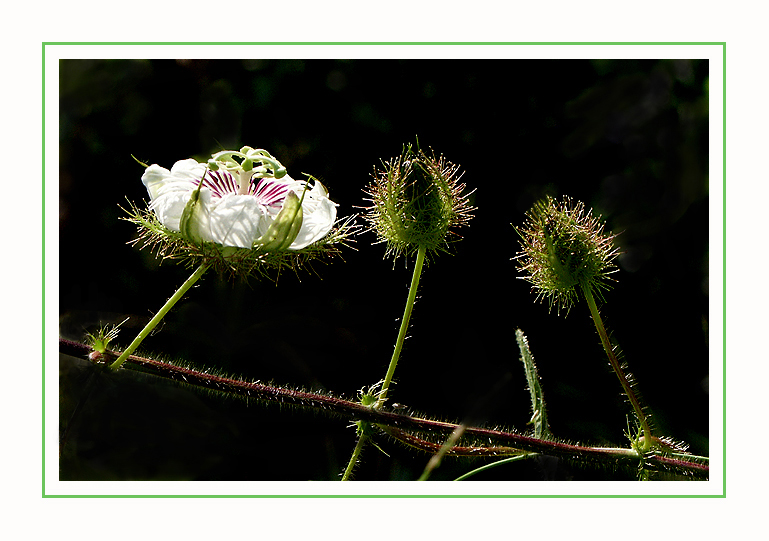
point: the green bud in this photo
(417, 199)
(100, 340)
(565, 251)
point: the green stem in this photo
(354, 458)
(495, 464)
(435, 460)
(617, 368)
(396, 355)
(404, 325)
(155, 320)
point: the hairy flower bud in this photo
(565, 251)
(417, 198)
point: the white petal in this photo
(168, 208)
(169, 191)
(235, 220)
(188, 170)
(319, 217)
(153, 178)
(184, 172)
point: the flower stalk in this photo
(159, 316)
(411, 299)
(354, 458)
(377, 400)
(566, 253)
(596, 315)
(417, 201)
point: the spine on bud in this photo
(564, 251)
(416, 200)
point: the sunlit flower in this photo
(235, 207)
(239, 214)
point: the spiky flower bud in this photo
(565, 252)
(417, 199)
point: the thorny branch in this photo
(500, 443)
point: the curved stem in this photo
(435, 460)
(159, 316)
(404, 325)
(495, 464)
(354, 458)
(617, 368)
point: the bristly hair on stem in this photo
(564, 252)
(488, 439)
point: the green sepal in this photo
(137, 160)
(284, 230)
(185, 223)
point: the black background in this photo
(628, 138)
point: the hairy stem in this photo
(404, 325)
(348, 409)
(396, 353)
(618, 369)
(354, 458)
(159, 316)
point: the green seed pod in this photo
(565, 251)
(417, 198)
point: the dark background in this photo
(628, 138)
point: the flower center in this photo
(268, 192)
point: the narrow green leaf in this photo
(538, 412)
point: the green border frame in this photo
(399, 496)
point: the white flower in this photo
(235, 207)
